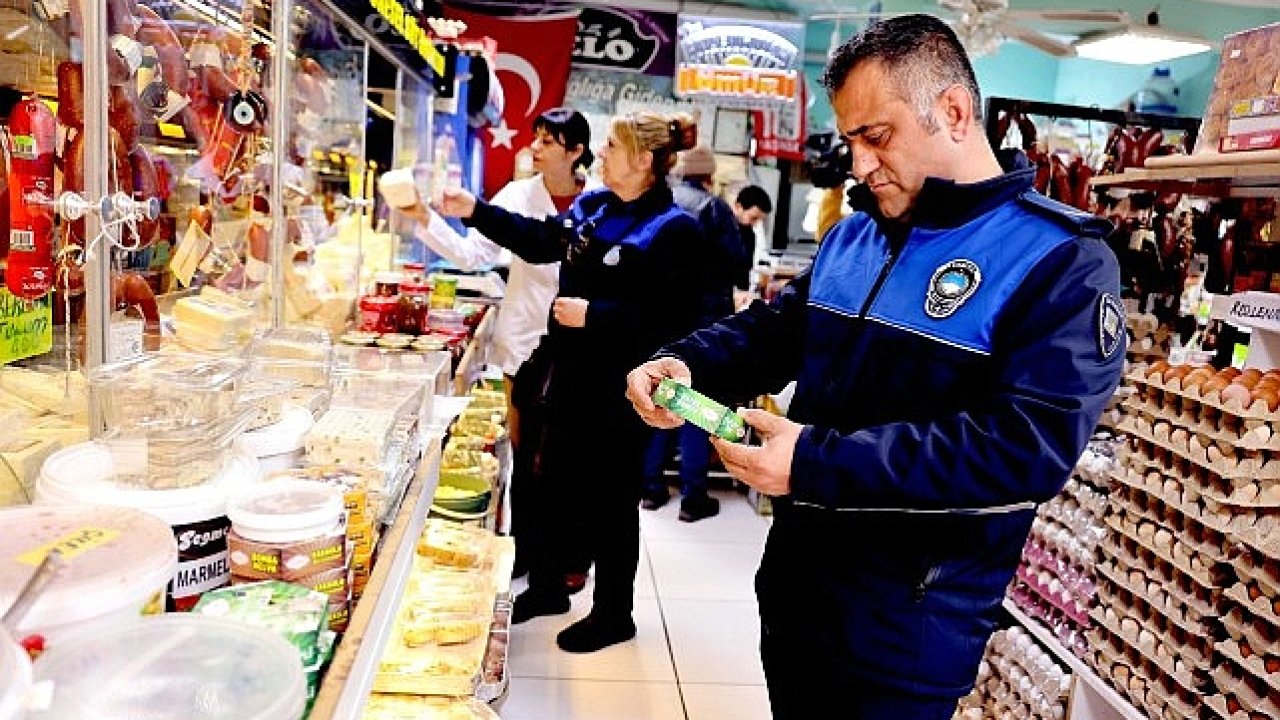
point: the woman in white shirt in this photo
(561, 137)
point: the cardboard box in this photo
(1250, 68)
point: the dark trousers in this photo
(695, 456)
(591, 475)
(797, 691)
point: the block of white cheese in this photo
(21, 460)
(206, 324)
(350, 436)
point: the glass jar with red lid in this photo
(379, 314)
(415, 302)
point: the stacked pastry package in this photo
(469, 467)
(1017, 679)
(442, 630)
(1197, 499)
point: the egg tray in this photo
(1259, 464)
(1179, 531)
(1170, 700)
(1251, 525)
(1193, 659)
(1041, 550)
(1242, 621)
(1266, 605)
(1075, 525)
(1077, 614)
(1190, 616)
(1230, 649)
(1153, 667)
(1209, 578)
(1254, 697)
(1184, 588)
(1021, 663)
(1218, 705)
(1230, 431)
(1031, 698)
(1257, 409)
(1078, 610)
(1072, 574)
(1244, 561)
(1184, 521)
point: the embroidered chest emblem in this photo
(952, 284)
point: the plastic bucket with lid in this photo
(198, 514)
(287, 529)
(15, 677)
(116, 564)
(173, 667)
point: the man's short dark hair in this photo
(754, 196)
(921, 55)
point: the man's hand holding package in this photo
(570, 312)
(766, 467)
(641, 383)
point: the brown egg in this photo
(1248, 381)
(1214, 384)
(1177, 371)
(1196, 378)
(1237, 392)
(1253, 373)
(1269, 395)
(1229, 373)
(1156, 369)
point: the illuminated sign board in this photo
(733, 62)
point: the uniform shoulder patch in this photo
(1110, 325)
(952, 283)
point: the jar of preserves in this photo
(415, 303)
(386, 284)
(379, 314)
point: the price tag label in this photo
(26, 328)
(125, 337)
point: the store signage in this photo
(26, 328)
(1253, 309)
(780, 130)
(736, 63)
(625, 40)
(406, 25)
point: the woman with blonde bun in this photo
(629, 263)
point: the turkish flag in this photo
(534, 55)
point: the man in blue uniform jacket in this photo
(954, 343)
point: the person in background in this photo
(629, 282)
(725, 257)
(955, 342)
(751, 207)
(561, 155)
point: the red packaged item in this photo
(32, 134)
(379, 314)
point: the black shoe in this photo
(536, 603)
(697, 507)
(654, 498)
(593, 633)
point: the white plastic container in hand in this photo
(82, 474)
(116, 564)
(173, 667)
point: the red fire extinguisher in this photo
(32, 134)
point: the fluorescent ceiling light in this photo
(1139, 46)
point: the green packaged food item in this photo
(296, 613)
(700, 410)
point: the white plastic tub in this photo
(116, 564)
(198, 514)
(173, 667)
(279, 446)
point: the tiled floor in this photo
(695, 654)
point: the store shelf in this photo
(1096, 686)
(1260, 179)
(349, 680)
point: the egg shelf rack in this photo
(1092, 697)
(1248, 674)
(1017, 678)
(1055, 581)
